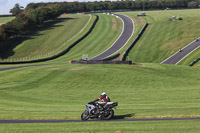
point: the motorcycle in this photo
(102, 110)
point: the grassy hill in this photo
(52, 39)
(106, 31)
(5, 19)
(101, 39)
(61, 91)
(163, 38)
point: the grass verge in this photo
(60, 91)
(4, 20)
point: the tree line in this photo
(36, 14)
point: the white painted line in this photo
(113, 43)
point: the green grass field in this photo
(197, 64)
(163, 38)
(61, 91)
(191, 126)
(5, 19)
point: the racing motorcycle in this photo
(102, 110)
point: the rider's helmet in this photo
(103, 93)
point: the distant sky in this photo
(6, 5)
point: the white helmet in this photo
(103, 93)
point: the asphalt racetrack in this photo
(128, 29)
(15, 67)
(112, 120)
(182, 53)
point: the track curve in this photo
(128, 29)
(114, 120)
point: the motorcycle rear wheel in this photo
(108, 116)
(85, 115)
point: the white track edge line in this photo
(187, 55)
(113, 43)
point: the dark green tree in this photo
(17, 9)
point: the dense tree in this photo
(16, 9)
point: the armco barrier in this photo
(60, 54)
(100, 62)
(134, 42)
(194, 62)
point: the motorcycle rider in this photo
(101, 110)
(103, 97)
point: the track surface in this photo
(9, 68)
(180, 55)
(128, 29)
(15, 67)
(114, 120)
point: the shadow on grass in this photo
(12, 43)
(123, 116)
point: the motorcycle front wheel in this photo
(108, 115)
(85, 115)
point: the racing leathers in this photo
(103, 98)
